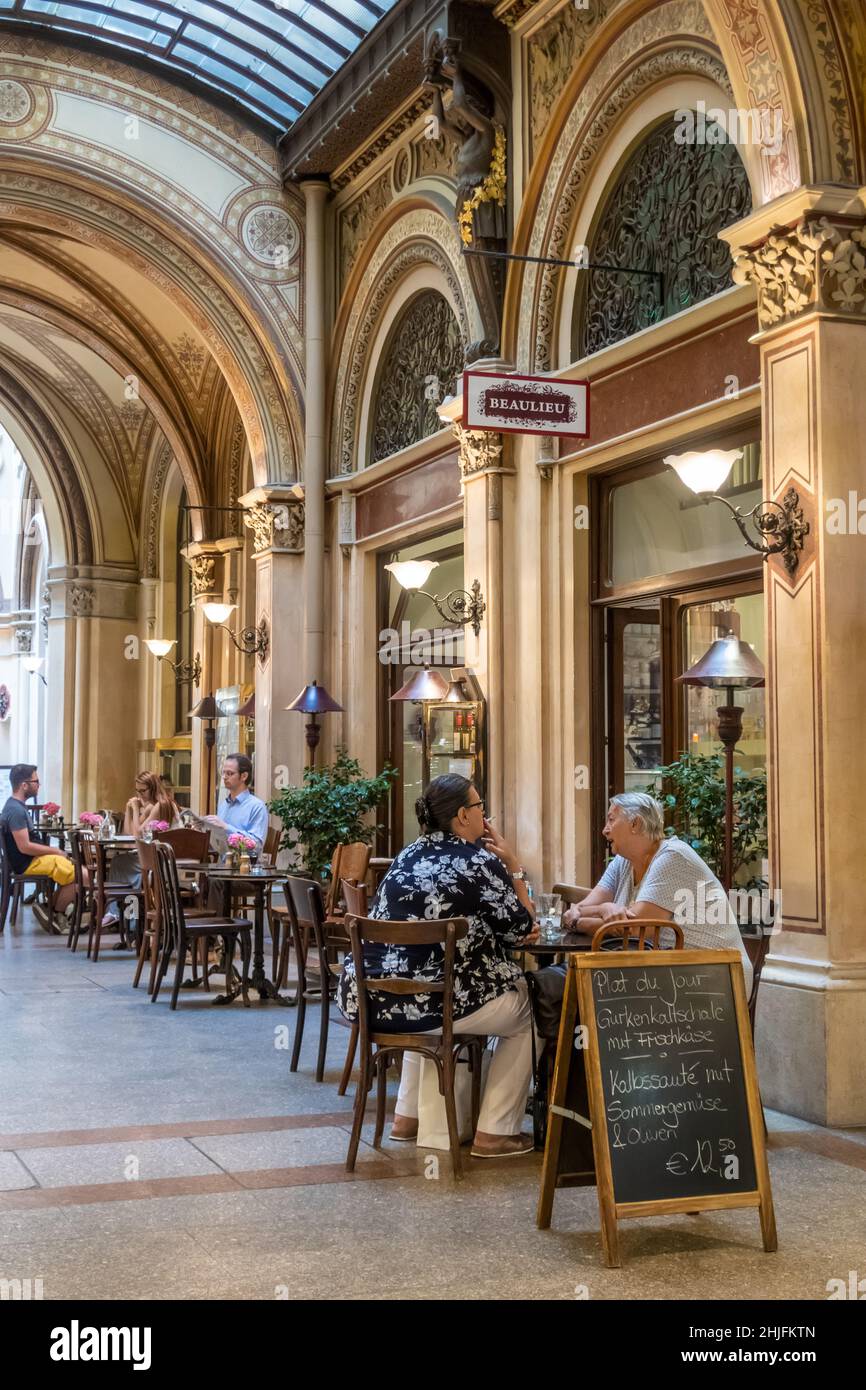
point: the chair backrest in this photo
(168, 887)
(147, 860)
(444, 932)
(355, 897)
(298, 900)
(186, 843)
(271, 846)
(5, 866)
(570, 892)
(349, 861)
(91, 857)
(77, 857)
(639, 929)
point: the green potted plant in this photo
(694, 800)
(330, 808)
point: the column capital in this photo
(201, 556)
(276, 516)
(804, 253)
(480, 451)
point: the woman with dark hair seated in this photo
(458, 867)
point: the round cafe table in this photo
(234, 884)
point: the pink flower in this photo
(239, 841)
(88, 818)
(51, 808)
(159, 825)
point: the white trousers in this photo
(507, 1018)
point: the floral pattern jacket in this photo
(441, 875)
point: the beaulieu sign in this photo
(525, 404)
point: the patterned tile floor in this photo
(147, 1154)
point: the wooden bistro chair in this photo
(442, 1049)
(349, 861)
(82, 895)
(152, 938)
(184, 935)
(318, 943)
(13, 885)
(355, 897)
(641, 930)
(756, 949)
(103, 891)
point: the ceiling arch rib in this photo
(269, 58)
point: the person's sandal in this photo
(507, 1146)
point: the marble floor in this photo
(154, 1155)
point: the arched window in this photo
(663, 213)
(419, 367)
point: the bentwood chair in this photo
(82, 896)
(152, 938)
(13, 885)
(318, 943)
(349, 861)
(355, 897)
(184, 935)
(442, 1049)
(756, 949)
(103, 891)
(644, 931)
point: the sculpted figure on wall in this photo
(480, 171)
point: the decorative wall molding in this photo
(155, 486)
(820, 265)
(23, 640)
(357, 220)
(203, 573)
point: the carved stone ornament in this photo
(421, 368)
(479, 449)
(81, 600)
(23, 640)
(276, 525)
(202, 567)
(819, 265)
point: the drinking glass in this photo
(548, 916)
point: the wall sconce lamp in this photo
(780, 526)
(185, 672)
(459, 606)
(34, 665)
(254, 641)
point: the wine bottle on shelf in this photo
(458, 733)
(470, 732)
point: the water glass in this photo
(548, 916)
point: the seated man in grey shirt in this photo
(654, 877)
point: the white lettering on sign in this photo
(535, 404)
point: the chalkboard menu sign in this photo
(673, 1105)
(675, 1101)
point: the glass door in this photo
(635, 700)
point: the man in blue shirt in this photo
(239, 810)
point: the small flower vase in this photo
(232, 859)
(244, 867)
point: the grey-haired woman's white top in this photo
(679, 882)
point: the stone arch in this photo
(69, 521)
(161, 252)
(418, 239)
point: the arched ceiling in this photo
(269, 56)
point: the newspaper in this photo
(218, 835)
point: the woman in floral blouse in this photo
(458, 867)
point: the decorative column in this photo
(315, 194)
(275, 516)
(202, 558)
(481, 472)
(806, 255)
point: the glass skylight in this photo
(271, 56)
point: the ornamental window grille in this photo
(664, 213)
(420, 367)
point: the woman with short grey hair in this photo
(654, 877)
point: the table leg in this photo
(267, 991)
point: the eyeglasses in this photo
(472, 804)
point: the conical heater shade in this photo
(425, 685)
(728, 662)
